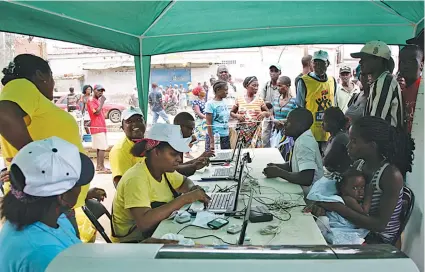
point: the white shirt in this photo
(306, 156)
(343, 96)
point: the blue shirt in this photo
(220, 116)
(281, 112)
(34, 247)
(301, 89)
(155, 100)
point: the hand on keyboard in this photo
(196, 195)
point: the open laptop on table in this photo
(225, 155)
(222, 202)
(225, 173)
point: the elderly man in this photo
(316, 92)
(385, 100)
(346, 89)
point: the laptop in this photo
(222, 202)
(245, 220)
(225, 155)
(225, 173)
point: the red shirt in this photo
(97, 122)
(409, 98)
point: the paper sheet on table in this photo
(203, 217)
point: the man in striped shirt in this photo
(385, 100)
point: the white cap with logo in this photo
(171, 134)
(50, 167)
(128, 113)
(321, 55)
(374, 48)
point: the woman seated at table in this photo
(150, 191)
(36, 229)
(385, 154)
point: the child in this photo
(347, 189)
(351, 188)
(217, 117)
(268, 126)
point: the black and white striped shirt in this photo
(385, 100)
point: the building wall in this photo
(119, 80)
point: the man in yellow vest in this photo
(316, 92)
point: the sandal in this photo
(104, 171)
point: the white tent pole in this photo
(273, 27)
(170, 5)
(70, 18)
(391, 11)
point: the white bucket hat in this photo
(169, 133)
(50, 167)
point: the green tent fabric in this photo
(146, 28)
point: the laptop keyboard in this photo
(223, 172)
(220, 201)
(222, 156)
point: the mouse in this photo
(183, 217)
(233, 229)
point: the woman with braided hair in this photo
(385, 155)
(250, 110)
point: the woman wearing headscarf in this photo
(249, 110)
(198, 106)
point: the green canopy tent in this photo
(149, 28)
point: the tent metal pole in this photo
(416, 27)
(70, 18)
(141, 84)
(164, 11)
(271, 28)
(390, 10)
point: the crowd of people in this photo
(356, 135)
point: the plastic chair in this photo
(94, 210)
(408, 202)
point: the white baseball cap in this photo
(321, 55)
(50, 167)
(127, 113)
(374, 48)
(171, 134)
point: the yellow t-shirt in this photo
(120, 157)
(44, 119)
(137, 188)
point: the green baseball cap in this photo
(277, 66)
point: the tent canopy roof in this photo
(159, 27)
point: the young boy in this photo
(305, 162)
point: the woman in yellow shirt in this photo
(27, 113)
(150, 191)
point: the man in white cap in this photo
(346, 89)
(316, 92)
(385, 100)
(120, 157)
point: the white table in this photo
(300, 229)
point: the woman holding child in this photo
(384, 155)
